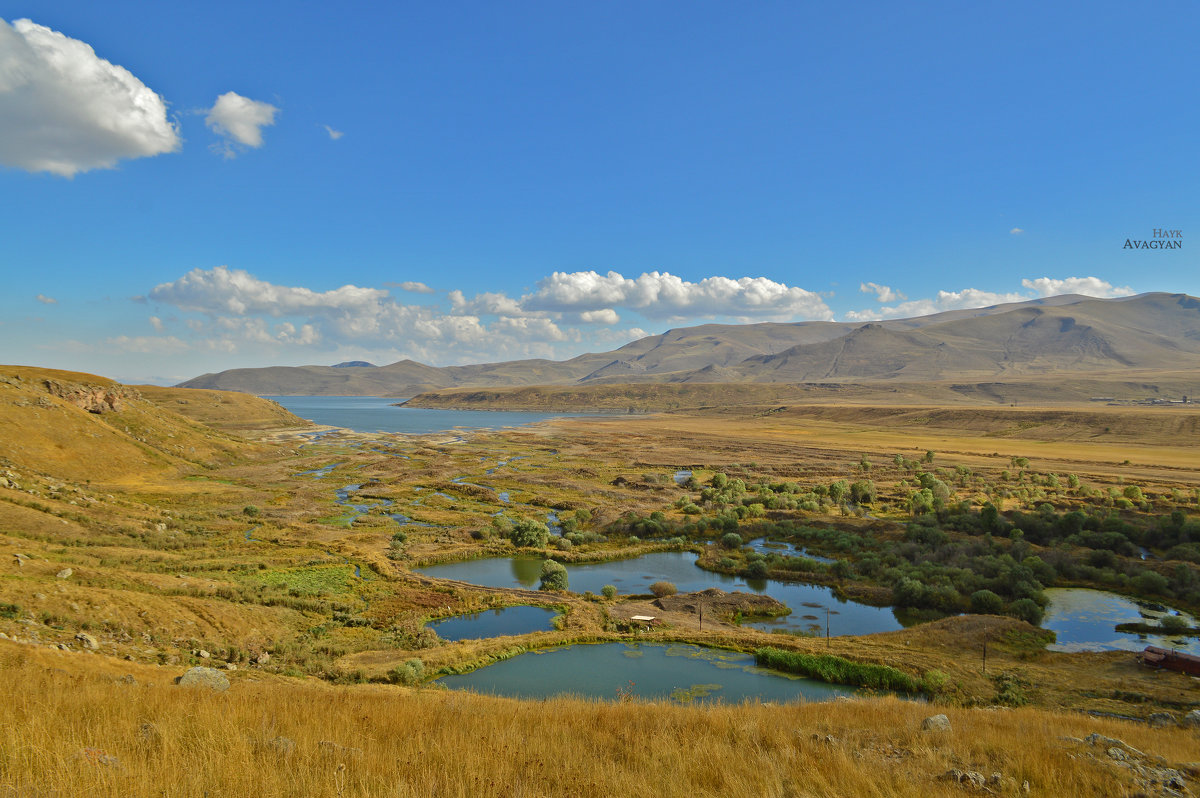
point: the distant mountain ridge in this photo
(1064, 333)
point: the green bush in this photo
(609, 592)
(985, 602)
(530, 534)
(1025, 609)
(554, 576)
(732, 540)
(664, 588)
(410, 673)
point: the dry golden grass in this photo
(74, 727)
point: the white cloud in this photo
(46, 300)
(1087, 286)
(239, 119)
(64, 109)
(663, 295)
(882, 292)
(225, 290)
(975, 298)
(148, 344)
(333, 134)
(156, 323)
(603, 316)
(1016, 231)
(412, 286)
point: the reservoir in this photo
(678, 672)
(809, 603)
(379, 414)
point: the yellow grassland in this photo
(190, 525)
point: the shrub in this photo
(757, 569)
(563, 544)
(251, 511)
(609, 592)
(1025, 609)
(530, 534)
(863, 492)
(410, 673)
(664, 588)
(554, 576)
(732, 540)
(985, 602)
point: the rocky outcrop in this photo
(211, 678)
(92, 398)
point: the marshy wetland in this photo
(387, 567)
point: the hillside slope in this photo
(1061, 334)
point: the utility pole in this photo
(701, 607)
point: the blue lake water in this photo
(809, 603)
(1086, 620)
(681, 673)
(519, 620)
(379, 414)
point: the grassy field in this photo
(172, 528)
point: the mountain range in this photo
(1067, 333)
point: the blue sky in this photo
(468, 182)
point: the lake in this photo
(1085, 620)
(379, 414)
(807, 602)
(494, 623)
(679, 672)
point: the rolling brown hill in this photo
(1060, 334)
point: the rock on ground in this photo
(204, 677)
(936, 723)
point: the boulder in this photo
(64, 573)
(211, 678)
(967, 778)
(1192, 719)
(87, 641)
(1160, 719)
(936, 723)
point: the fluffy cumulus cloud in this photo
(661, 295)
(235, 291)
(412, 286)
(240, 121)
(565, 310)
(975, 298)
(882, 292)
(1087, 286)
(64, 109)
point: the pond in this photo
(681, 673)
(494, 623)
(1086, 620)
(786, 549)
(807, 602)
(379, 414)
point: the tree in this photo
(1027, 610)
(664, 588)
(838, 491)
(609, 592)
(554, 576)
(862, 492)
(731, 540)
(530, 534)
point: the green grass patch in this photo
(837, 670)
(311, 580)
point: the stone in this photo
(211, 678)
(1192, 719)
(1117, 754)
(87, 641)
(936, 723)
(229, 666)
(202, 654)
(968, 778)
(64, 573)
(262, 659)
(1160, 719)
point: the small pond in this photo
(807, 602)
(379, 414)
(786, 549)
(1086, 620)
(679, 672)
(494, 623)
